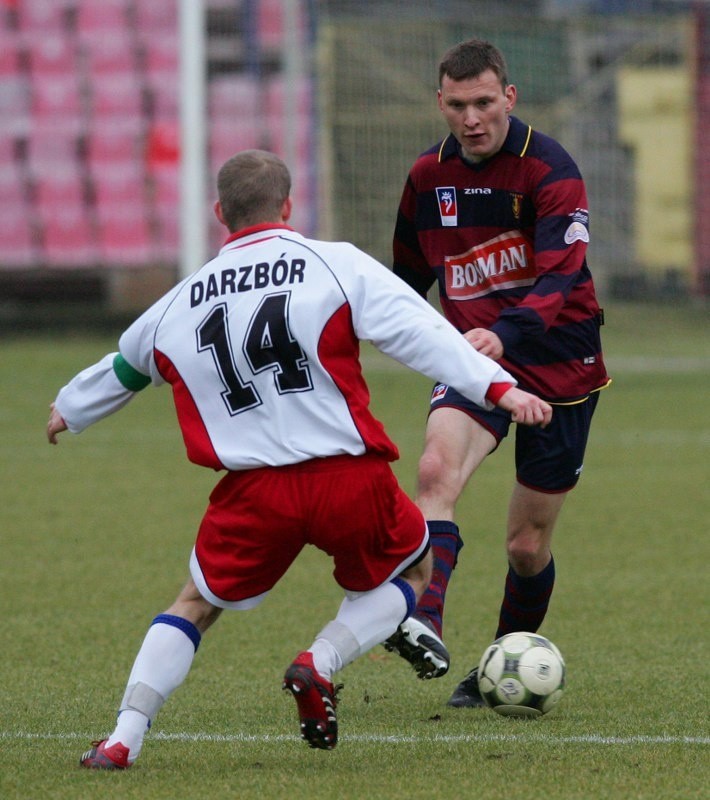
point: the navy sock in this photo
(445, 545)
(525, 600)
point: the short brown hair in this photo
(469, 59)
(252, 186)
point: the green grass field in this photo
(96, 535)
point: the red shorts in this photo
(259, 520)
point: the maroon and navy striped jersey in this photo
(506, 241)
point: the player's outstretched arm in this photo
(526, 408)
(55, 424)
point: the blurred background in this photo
(116, 114)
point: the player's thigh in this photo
(455, 444)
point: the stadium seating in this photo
(89, 125)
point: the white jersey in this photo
(261, 347)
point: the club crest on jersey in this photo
(446, 195)
(517, 203)
(439, 392)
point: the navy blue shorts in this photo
(546, 459)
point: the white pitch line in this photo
(386, 738)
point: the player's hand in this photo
(486, 342)
(55, 424)
(526, 408)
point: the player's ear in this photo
(286, 209)
(218, 213)
(511, 95)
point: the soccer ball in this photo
(521, 675)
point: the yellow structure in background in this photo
(656, 121)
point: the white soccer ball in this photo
(522, 675)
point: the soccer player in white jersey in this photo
(261, 347)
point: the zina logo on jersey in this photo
(446, 195)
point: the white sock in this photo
(363, 621)
(373, 616)
(326, 658)
(162, 664)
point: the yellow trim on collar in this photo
(527, 141)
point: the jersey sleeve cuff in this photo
(497, 390)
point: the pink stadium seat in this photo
(156, 16)
(102, 16)
(119, 183)
(114, 140)
(9, 55)
(166, 189)
(14, 105)
(116, 95)
(59, 189)
(51, 55)
(48, 16)
(168, 233)
(124, 236)
(233, 95)
(162, 51)
(112, 53)
(17, 247)
(270, 23)
(52, 145)
(68, 238)
(12, 186)
(227, 137)
(56, 96)
(163, 90)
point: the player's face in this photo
(476, 110)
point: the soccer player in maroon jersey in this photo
(261, 349)
(496, 215)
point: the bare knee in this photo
(528, 552)
(438, 481)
